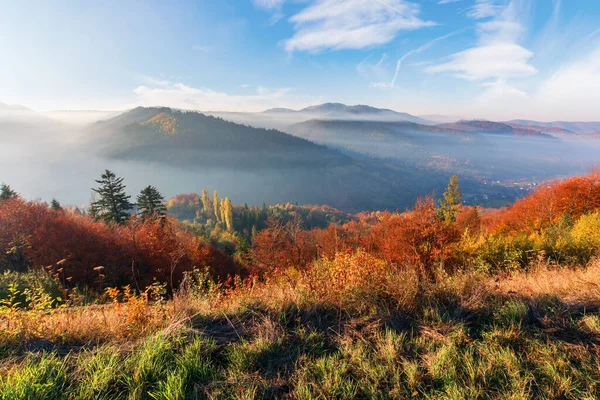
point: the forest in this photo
(195, 297)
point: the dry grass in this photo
(466, 336)
(571, 285)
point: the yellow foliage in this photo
(586, 231)
(164, 122)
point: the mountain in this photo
(280, 118)
(483, 150)
(495, 128)
(281, 167)
(341, 111)
(577, 127)
(191, 138)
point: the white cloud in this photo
(352, 24)
(485, 9)
(573, 91)
(273, 6)
(244, 86)
(447, 1)
(498, 56)
(179, 95)
(499, 61)
(268, 4)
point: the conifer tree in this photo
(150, 202)
(216, 207)
(6, 192)
(449, 204)
(205, 201)
(113, 204)
(55, 205)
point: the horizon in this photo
(209, 112)
(473, 59)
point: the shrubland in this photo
(439, 301)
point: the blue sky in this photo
(492, 59)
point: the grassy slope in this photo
(532, 335)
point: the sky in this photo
(495, 59)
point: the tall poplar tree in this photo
(216, 206)
(206, 201)
(113, 204)
(228, 214)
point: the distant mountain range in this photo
(291, 167)
(351, 157)
(339, 111)
(563, 127)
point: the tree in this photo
(216, 206)
(449, 205)
(55, 205)
(151, 202)
(6, 192)
(228, 213)
(205, 201)
(113, 204)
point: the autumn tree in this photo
(205, 201)
(6, 192)
(228, 213)
(449, 204)
(151, 202)
(113, 204)
(216, 206)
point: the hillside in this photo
(435, 302)
(283, 167)
(478, 149)
(577, 127)
(281, 118)
(190, 138)
(495, 128)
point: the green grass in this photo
(520, 349)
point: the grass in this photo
(529, 335)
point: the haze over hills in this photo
(577, 127)
(351, 157)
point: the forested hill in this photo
(191, 138)
(279, 166)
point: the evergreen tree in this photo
(113, 204)
(228, 214)
(216, 207)
(150, 202)
(6, 192)
(205, 201)
(449, 204)
(55, 205)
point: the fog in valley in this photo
(43, 156)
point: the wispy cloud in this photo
(179, 95)
(498, 56)
(419, 49)
(573, 89)
(352, 24)
(273, 6)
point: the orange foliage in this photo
(100, 255)
(544, 207)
